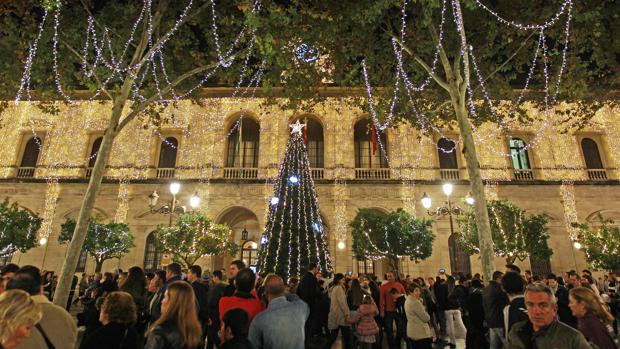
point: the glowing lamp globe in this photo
(274, 200)
(426, 201)
(293, 179)
(341, 245)
(43, 241)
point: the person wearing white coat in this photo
(418, 331)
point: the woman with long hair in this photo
(135, 284)
(593, 318)
(178, 326)
(18, 314)
(338, 312)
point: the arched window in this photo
(448, 164)
(459, 259)
(94, 151)
(6, 259)
(365, 157)
(249, 253)
(152, 256)
(520, 159)
(30, 157)
(591, 154)
(81, 266)
(167, 158)
(243, 146)
(366, 267)
(314, 142)
(168, 153)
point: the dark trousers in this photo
(426, 343)
(213, 340)
(389, 319)
(346, 336)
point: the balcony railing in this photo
(240, 173)
(165, 173)
(524, 174)
(449, 174)
(317, 173)
(372, 173)
(89, 172)
(597, 174)
(25, 172)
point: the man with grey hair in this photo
(281, 325)
(543, 330)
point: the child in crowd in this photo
(366, 328)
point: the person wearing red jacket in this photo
(243, 297)
(388, 311)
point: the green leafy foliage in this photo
(516, 235)
(193, 236)
(393, 235)
(18, 228)
(103, 240)
(601, 244)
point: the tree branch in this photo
(441, 82)
(157, 44)
(99, 24)
(81, 58)
(506, 61)
(140, 107)
(445, 62)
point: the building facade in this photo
(227, 151)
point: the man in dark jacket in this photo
(235, 325)
(561, 296)
(514, 285)
(475, 332)
(309, 292)
(201, 292)
(235, 267)
(216, 292)
(542, 329)
(494, 300)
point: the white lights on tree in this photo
(447, 189)
(341, 245)
(263, 240)
(306, 53)
(274, 200)
(175, 187)
(293, 179)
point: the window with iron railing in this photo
(30, 158)
(167, 158)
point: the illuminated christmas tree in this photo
(294, 234)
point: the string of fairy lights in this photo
(103, 55)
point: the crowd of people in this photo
(176, 308)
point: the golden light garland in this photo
(556, 155)
(567, 191)
(49, 211)
(122, 202)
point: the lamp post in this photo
(171, 207)
(449, 208)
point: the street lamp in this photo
(171, 207)
(449, 207)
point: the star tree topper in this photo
(297, 127)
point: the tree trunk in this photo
(477, 189)
(98, 266)
(81, 227)
(393, 263)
